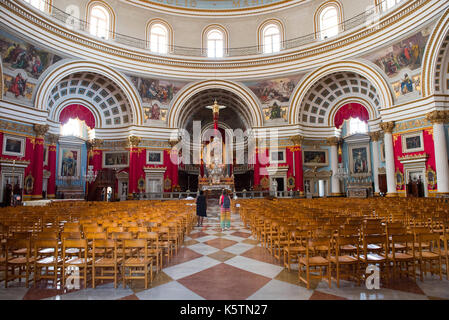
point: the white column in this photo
(441, 158)
(335, 182)
(375, 139)
(387, 127)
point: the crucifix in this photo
(215, 112)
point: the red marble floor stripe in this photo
(241, 234)
(318, 295)
(220, 243)
(261, 254)
(184, 255)
(224, 282)
(130, 297)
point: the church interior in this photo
(324, 122)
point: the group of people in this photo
(225, 209)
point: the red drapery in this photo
(350, 110)
(74, 111)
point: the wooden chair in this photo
(294, 246)
(375, 250)
(47, 259)
(310, 260)
(445, 252)
(80, 262)
(346, 263)
(403, 255)
(429, 252)
(104, 258)
(18, 255)
(136, 261)
(153, 247)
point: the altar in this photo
(206, 183)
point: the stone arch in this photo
(65, 68)
(356, 67)
(176, 111)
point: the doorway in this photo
(154, 185)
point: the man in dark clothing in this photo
(201, 208)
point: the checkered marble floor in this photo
(231, 265)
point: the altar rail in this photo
(193, 194)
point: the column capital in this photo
(297, 140)
(173, 142)
(438, 116)
(387, 126)
(40, 130)
(333, 141)
(375, 136)
(53, 138)
(133, 141)
(94, 143)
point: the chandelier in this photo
(91, 174)
(342, 172)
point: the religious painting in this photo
(277, 156)
(152, 90)
(407, 85)
(412, 142)
(69, 162)
(13, 146)
(115, 159)
(29, 183)
(275, 89)
(407, 53)
(399, 177)
(318, 158)
(19, 55)
(18, 86)
(155, 157)
(359, 159)
(431, 178)
(155, 113)
(275, 112)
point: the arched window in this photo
(158, 39)
(99, 22)
(271, 39)
(357, 126)
(40, 4)
(328, 22)
(215, 47)
(387, 4)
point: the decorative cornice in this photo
(438, 116)
(387, 127)
(95, 143)
(17, 127)
(418, 156)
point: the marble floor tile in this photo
(262, 268)
(221, 255)
(238, 248)
(220, 243)
(169, 291)
(187, 268)
(203, 249)
(224, 282)
(261, 254)
(280, 290)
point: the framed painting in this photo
(115, 159)
(155, 157)
(13, 146)
(69, 162)
(412, 142)
(315, 157)
(277, 156)
(359, 159)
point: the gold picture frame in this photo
(141, 184)
(431, 178)
(167, 183)
(291, 182)
(29, 183)
(399, 178)
(265, 182)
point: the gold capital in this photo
(297, 140)
(333, 141)
(94, 143)
(387, 126)
(40, 130)
(53, 138)
(133, 141)
(438, 116)
(375, 136)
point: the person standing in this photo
(201, 208)
(225, 215)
